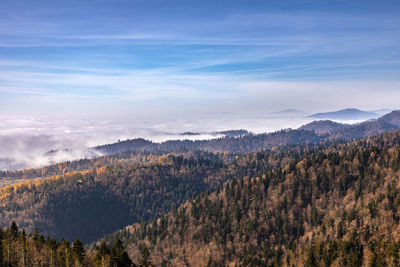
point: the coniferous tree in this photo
(102, 257)
(119, 257)
(78, 252)
(14, 229)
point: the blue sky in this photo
(195, 58)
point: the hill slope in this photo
(323, 126)
(81, 203)
(386, 123)
(336, 207)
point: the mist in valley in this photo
(31, 142)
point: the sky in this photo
(121, 69)
(190, 58)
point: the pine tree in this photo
(14, 229)
(119, 257)
(102, 256)
(78, 252)
(64, 253)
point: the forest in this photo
(17, 248)
(80, 203)
(338, 206)
(327, 203)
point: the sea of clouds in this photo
(27, 142)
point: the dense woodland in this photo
(339, 206)
(17, 248)
(80, 204)
(322, 203)
(323, 126)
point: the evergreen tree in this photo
(102, 257)
(119, 257)
(78, 252)
(14, 229)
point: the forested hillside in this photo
(17, 248)
(126, 157)
(80, 204)
(337, 207)
(323, 126)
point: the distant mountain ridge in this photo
(314, 132)
(323, 126)
(386, 123)
(392, 118)
(346, 114)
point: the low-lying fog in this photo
(29, 142)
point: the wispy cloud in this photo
(149, 59)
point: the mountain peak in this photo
(346, 114)
(392, 118)
(322, 126)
